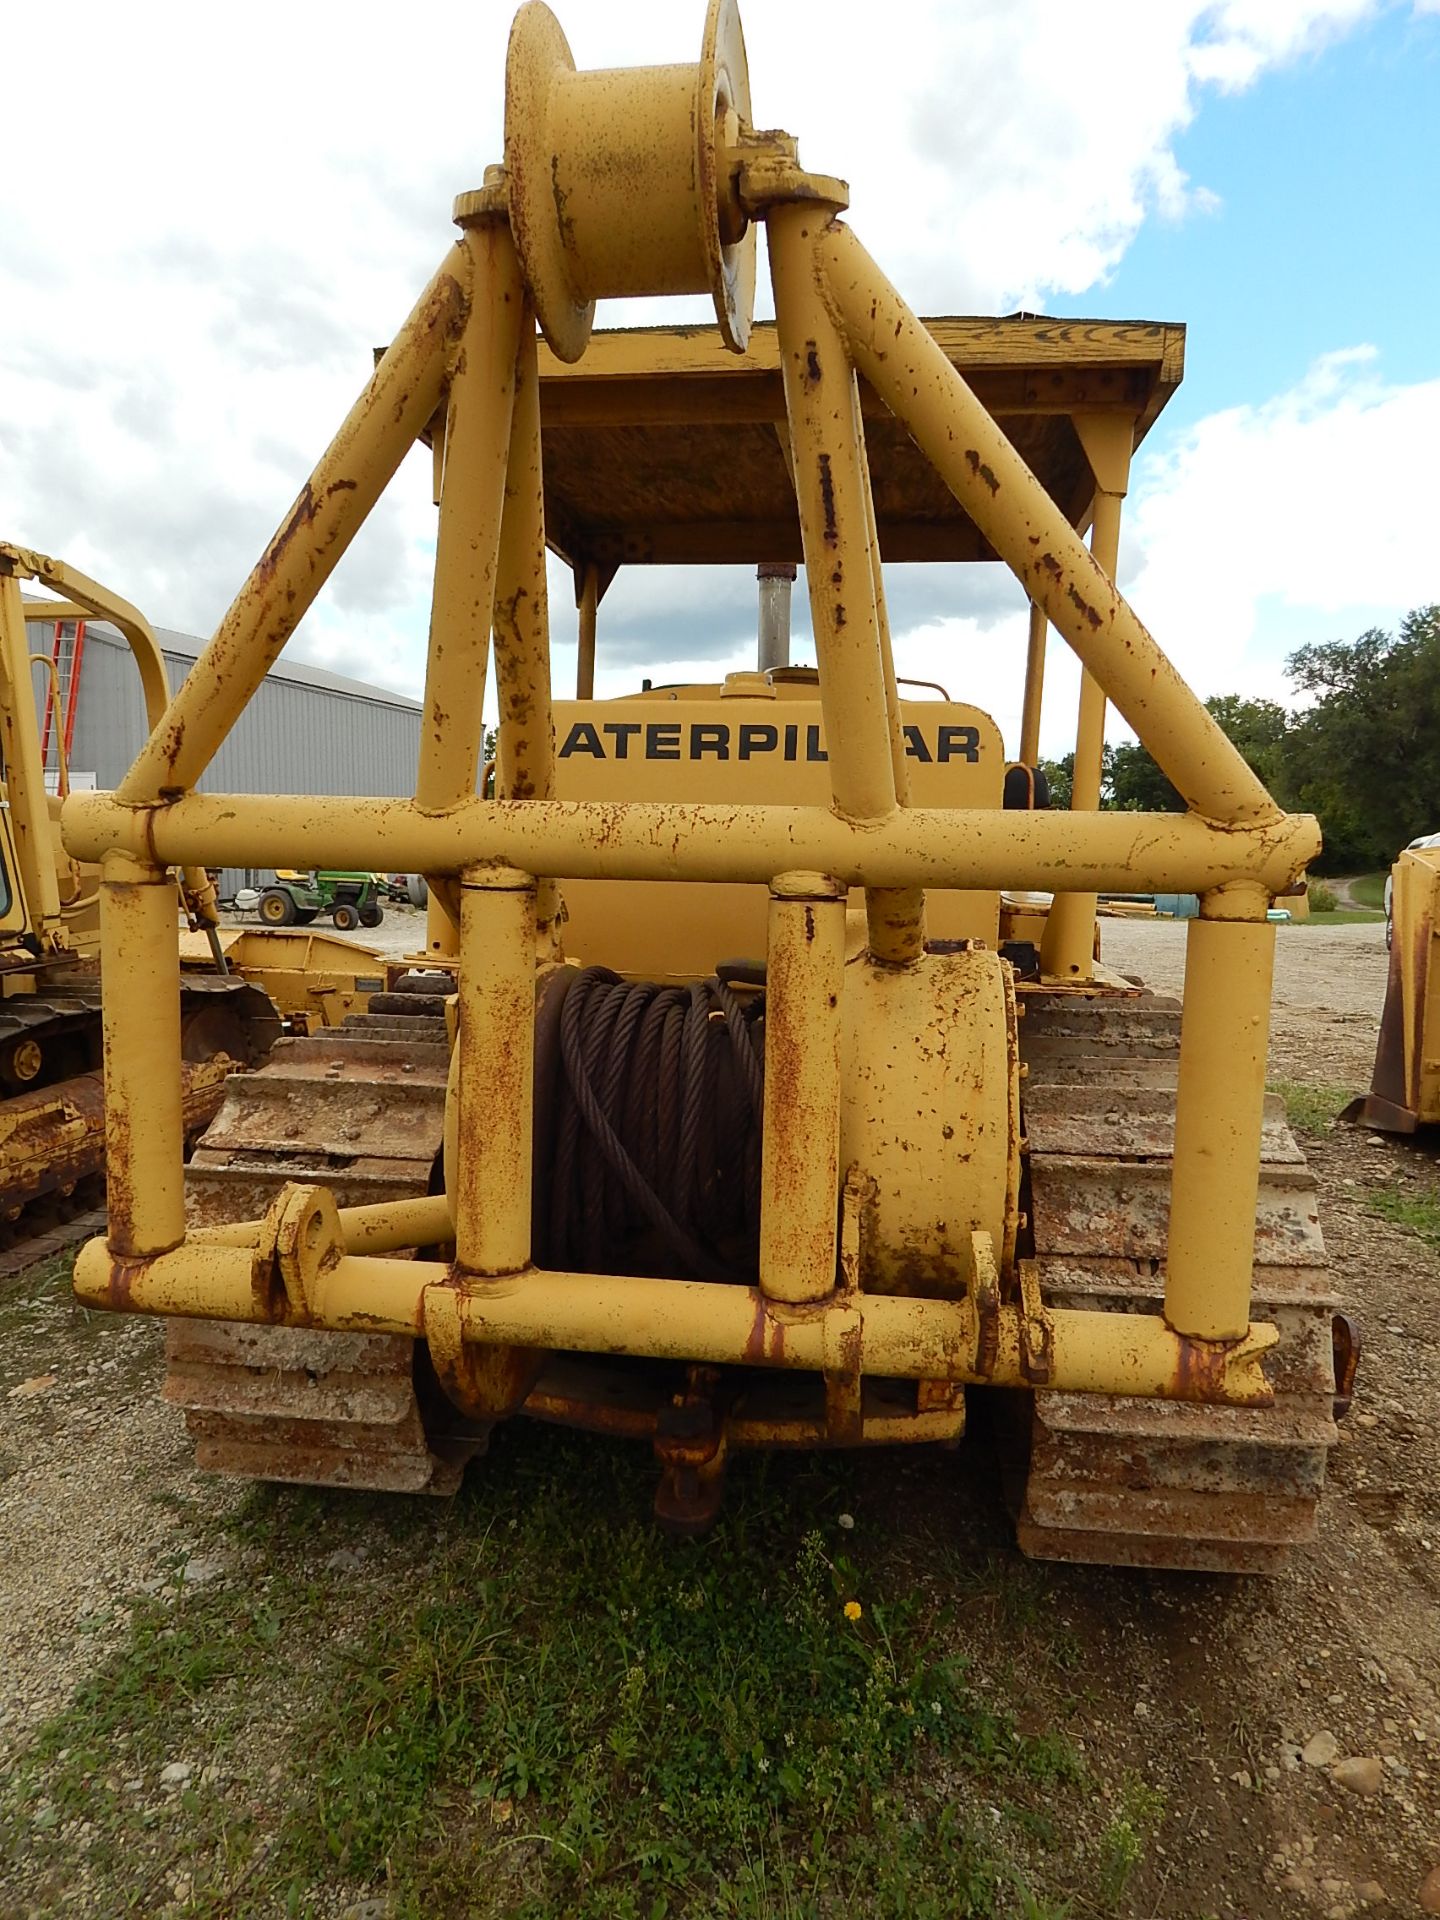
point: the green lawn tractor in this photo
(295, 899)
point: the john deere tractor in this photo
(295, 899)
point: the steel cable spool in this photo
(648, 1127)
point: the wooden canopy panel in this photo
(660, 446)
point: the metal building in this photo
(306, 731)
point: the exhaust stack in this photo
(776, 578)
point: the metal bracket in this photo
(1037, 1334)
(302, 1236)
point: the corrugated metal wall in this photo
(294, 737)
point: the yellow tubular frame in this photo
(471, 335)
(84, 598)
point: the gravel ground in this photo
(1235, 1698)
(1329, 990)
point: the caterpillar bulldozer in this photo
(760, 1085)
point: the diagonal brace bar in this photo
(1020, 520)
(378, 432)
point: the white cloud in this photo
(189, 293)
(1306, 518)
(1301, 518)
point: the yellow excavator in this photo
(237, 986)
(764, 1088)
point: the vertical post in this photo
(490, 1184)
(830, 485)
(1029, 752)
(24, 774)
(525, 748)
(144, 1118)
(526, 769)
(472, 494)
(472, 497)
(442, 927)
(1224, 1041)
(894, 916)
(777, 581)
(589, 606)
(832, 490)
(800, 1153)
(1067, 949)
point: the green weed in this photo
(1122, 1841)
(1309, 1108)
(529, 1703)
(664, 1720)
(1417, 1213)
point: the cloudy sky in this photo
(213, 215)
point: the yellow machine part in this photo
(794, 1217)
(751, 741)
(1405, 1088)
(930, 1116)
(52, 1131)
(314, 979)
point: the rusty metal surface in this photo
(364, 1114)
(52, 1139)
(1131, 1122)
(43, 1231)
(52, 1131)
(1111, 1206)
(1149, 1483)
(1405, 1085)
(768, 1411)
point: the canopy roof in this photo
(662, 447)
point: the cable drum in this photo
(649, 1103)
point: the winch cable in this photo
(659, 1102)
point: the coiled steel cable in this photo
(654, 1128)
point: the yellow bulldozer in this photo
(761, 1086)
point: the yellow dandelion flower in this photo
(853, 1610)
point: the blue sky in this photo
(1327, 234)
(1326, 177)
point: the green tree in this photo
(1365, 753)
(1362, 753)
(1134, 784)
(1061, 775)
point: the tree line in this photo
(1361, 750)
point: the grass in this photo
(1342, 917)
(1417, 1213)
(1369, 890)
(530, 1703)
(1123, 1839)
(88, 1770)
(21, 1294)
(1308, 1108)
